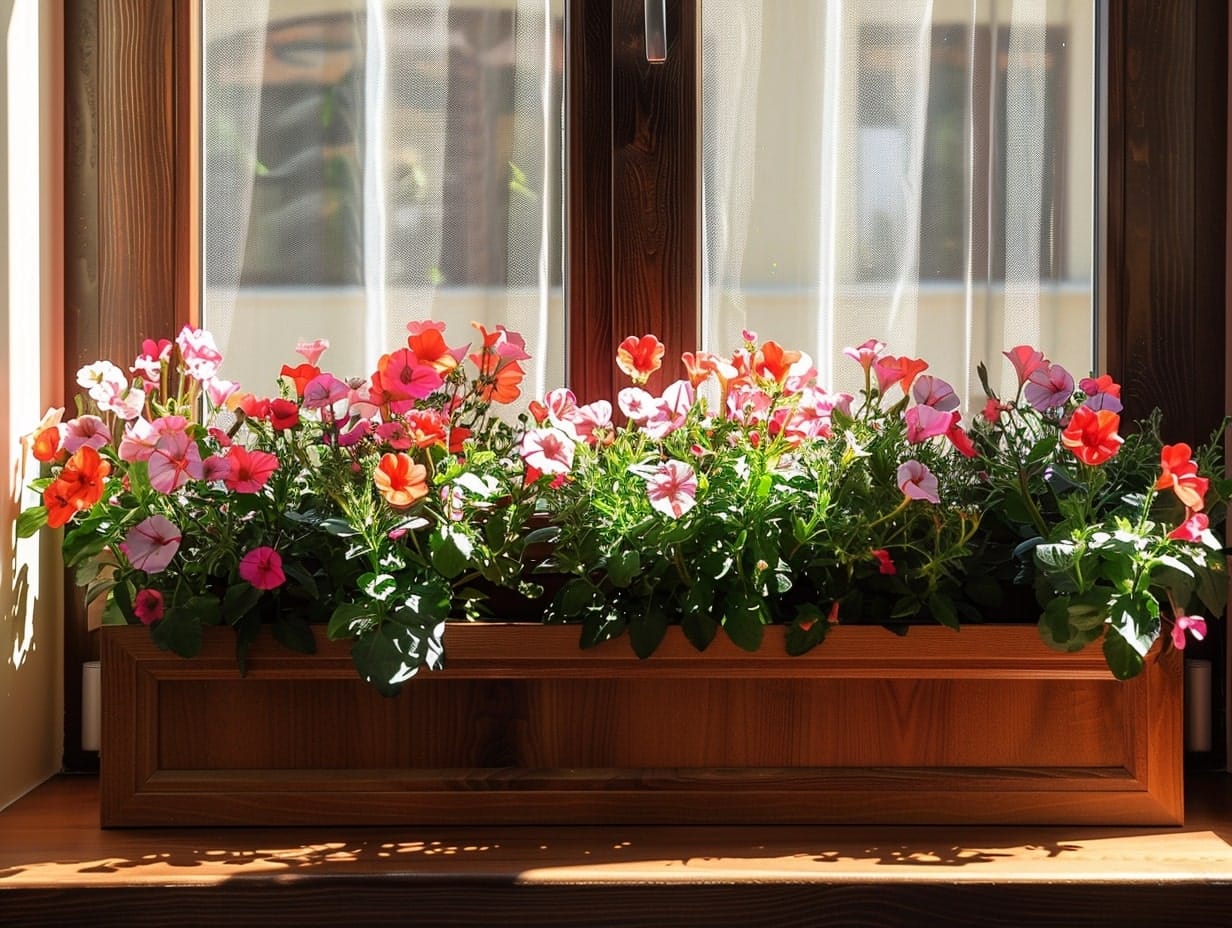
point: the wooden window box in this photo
(982, 726)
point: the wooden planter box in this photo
(982, 726)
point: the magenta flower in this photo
(262, 567)
(1195, 625)
(151, 544)
(1192, 528)
(324, 390)
(917, 481)
(549, 451)
(248, 471)
(925, 422)
(148, 606)
(1048, 387)
(174, 461)
(672, 488)
(1025, 360)
(215, 467)
(885, 564)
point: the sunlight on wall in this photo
(31, 702)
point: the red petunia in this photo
(640, 357)
(1092, 435)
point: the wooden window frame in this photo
(632, 213)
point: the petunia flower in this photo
(925, 422)
(174, 461)
(262, 567)
(311, 351)
(548, 451)
(78, 487)
(151, 543)
(85, 432)
(1026, 360)
(640, 357)
(672, 488)
(148, 606)
(934, 392)
(917, 481)
(1092, 435)
(1192, 529)
(248, 471)
(198, 353)
(400, 481)
(1179, 472)
(866, 354)
(635, 403)
(1195, 625)
(1048, 387)
(300, 375)
(902, 371)
(773, 362)
(283, 414)
(885, 564)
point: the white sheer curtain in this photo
(372, 162)
(917, 171)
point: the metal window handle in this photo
(656, 30)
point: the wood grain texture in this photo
(984, 726)
(56, 864)
(1166, 152)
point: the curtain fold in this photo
(916, 171)
(391, 161)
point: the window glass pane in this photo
(371, 163)
(917, 172)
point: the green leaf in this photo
(742, 620)
(700, 628)
(601, 624)
(388, 656)
(426, 602)
(1124, 659)
(623, 566)
(122, 598)
(379, 587)
(31, 521)
(575, 596)
(179, 630)
(646, 630)
(807, 630)
(942, 609)
(306, 581)
(349, 620)
(1135, 619)
(239, 600)
(295, 633)
(247, 630)
(451, 551)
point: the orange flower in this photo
(502, 386)
(1180, 473)
(773, 362)
(640, 357)
(1092, 435)
(47, 444)
(79, 486)
(430, 348)
(400, 480)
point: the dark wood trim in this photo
(126, 158)
(1166, 148)
(633, 190)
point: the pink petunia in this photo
(1192, 529)
(635, 403)
(672, 488)
(312, 351)
(148, 606)
(199, 354)
(1025, 360)
(925, 422)
(548, 451)
(84, 431)
(867, 354)
(1048, 387)
(670, 410)
(325, 390)
(174, 461)
(102, 379)
(219, 391)
(216, 467)
(249, 471)
(262, 567)
(934, 392)
(1194, 624)
(140, 437)
(151, 544)
(917, 481)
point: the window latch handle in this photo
(656, 30)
